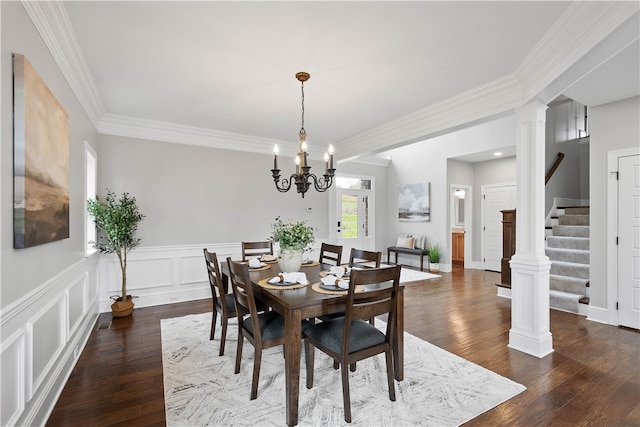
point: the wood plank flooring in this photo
(591, 379)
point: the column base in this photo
(538, 346)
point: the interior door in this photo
(629, 241)
(495, 198)
(354, 219)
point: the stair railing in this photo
(553, 168)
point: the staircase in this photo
(567, 246)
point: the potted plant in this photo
(294, 238)
(434, 255)
(117, 221)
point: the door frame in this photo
(483, 242)
(334, 237)
(612, 232)
(468, 220)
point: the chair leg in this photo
(352, 367)
(223, 337)
(345, 392)
(213, 323)
(256, 373)
(392, 388)
(336, 364)
(309, 354)
(239, 351)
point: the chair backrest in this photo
(359, 256)
(243, 293)
(215, 278)
(372, 302)
(256, 249)
(330, 254)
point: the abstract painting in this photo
(413, 203)
(41, 160)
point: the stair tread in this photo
(570, 264)
(569, 250)
(570, 278)
(566, 294)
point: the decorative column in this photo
(530, 266)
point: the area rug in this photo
(200, 388)
(409, 275)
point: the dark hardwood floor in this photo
(591, 379)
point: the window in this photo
(91, 183)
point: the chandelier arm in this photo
(283, 185)
(323, 183)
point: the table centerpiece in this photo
(294, 238)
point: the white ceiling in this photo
(228, 67)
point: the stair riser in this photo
(576, 211)
(573, 220)
(558, 283)
(568, 242)
(567, 255)
(572, 270)
(571, 230)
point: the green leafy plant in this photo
(434, 253)
(292, 235)
(117, 221)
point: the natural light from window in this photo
(91, 184)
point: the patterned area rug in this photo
(409, 275)
(439, 389)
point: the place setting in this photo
(335, 281)
(285, 281)
(255, 264)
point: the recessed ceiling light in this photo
(497, 153)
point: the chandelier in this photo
(302, 177)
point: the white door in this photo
(354, 216)
(629, 241)
(495, 198)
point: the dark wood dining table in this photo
(303, 303)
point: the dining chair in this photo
(223, 302)
(358, 258)
(362, 258)
(330, 254)
(256, 249)
(263, 330)
(350, 338)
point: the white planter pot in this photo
(434, 267)
(290, 260)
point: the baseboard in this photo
(598, 314)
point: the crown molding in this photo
(112, 124)
(53, 25)
(490, 100)
(583, 25)
(579, 30)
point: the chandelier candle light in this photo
(302, 177)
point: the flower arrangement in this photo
(292, 235)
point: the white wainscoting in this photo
(42, 333)
(166, 274)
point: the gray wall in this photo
(24, 270)
(195, 195)
(426, 161)
(614, 127)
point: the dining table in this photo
(296, 304)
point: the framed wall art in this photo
(413, 203)
(41, 160)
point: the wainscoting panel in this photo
(12, 369)
(77, 297)
(162, 274)
(46, 330)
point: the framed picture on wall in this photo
(413, 203)
(41, 160)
